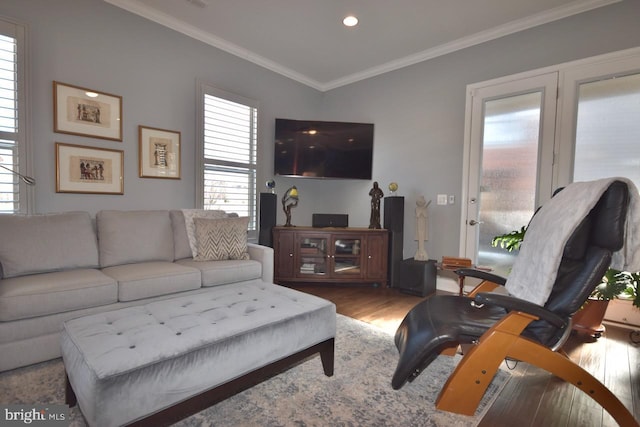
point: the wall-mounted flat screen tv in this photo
(318, 149)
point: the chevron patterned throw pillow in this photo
(220, 239)
(189, 215)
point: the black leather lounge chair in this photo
(500, 326)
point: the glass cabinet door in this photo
(346, 256)
(312, 260)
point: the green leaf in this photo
(510, 241)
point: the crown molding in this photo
(578, 6)
(208, 38)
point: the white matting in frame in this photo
(86, 112)
(90, 170)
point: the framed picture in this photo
(159, 153)
(90, 170)
(86, 112)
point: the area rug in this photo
(358, 394)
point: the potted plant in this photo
(633, 283)
(590, 316)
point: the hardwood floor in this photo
(532, 396)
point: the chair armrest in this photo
(264, 255)
(512, 303)
(479, 274)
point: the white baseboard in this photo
(622, 311)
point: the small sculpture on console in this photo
(422, 231)
(376, 194)
(289, 200)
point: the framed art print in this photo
(86, 112)
(159, 153)
(90, 170)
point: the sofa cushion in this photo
(189, 216)
(216, 273)
(181, 246)
(127, 237)
(57, 292)
(221, 239)
(150, 279)
(45, 243)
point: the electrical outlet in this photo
(452, 199)
(442, 199)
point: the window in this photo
(228, 147)
(13, 191)
(608, 129)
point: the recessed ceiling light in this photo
(350, 21)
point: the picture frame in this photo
(159, 153)
(86, 112)
(89, 170)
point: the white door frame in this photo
(547, 84)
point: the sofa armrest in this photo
(264, 255)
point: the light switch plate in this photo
(442, 199)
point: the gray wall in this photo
(418, 111)
(92, 44)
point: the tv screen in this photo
(317, 149)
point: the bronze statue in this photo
(289, 200)
(376, 194)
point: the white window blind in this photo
(11, 119)
(229, 149)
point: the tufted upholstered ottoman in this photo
(160, 362)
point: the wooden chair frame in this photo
(468, 383)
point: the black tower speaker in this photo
(268, 204)
(394, 222)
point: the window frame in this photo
(598, 68)
(22, 138)
(201, 162)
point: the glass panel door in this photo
(313, 256)
(608, 129)
(509, 172)
(346, 256)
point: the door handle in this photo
(474, 222)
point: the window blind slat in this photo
(229, 139)
(9, 182)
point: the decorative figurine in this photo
(271, 185)
(376, 194)
(393, 187)
(289, 200)
(422, 232)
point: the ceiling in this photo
(305, 40)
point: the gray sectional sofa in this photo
(56, 267)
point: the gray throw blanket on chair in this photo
(534, 271)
